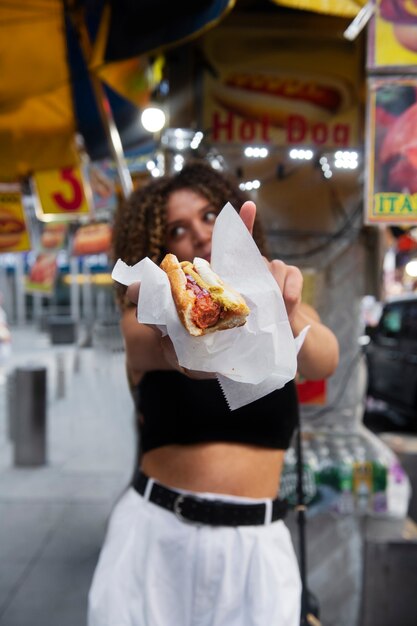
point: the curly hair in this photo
(139, 228)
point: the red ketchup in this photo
(205, 311)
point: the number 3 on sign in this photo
(61, 192)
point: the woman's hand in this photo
(167, 356)
(288, 277)
(290, 282)
(319, 355)
(171, 358)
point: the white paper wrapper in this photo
(250, 361)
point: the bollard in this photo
(11, 394)
(60, 375)
(77, 362)
(30, 416)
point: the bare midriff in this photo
(227, 468)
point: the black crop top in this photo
(176, 409)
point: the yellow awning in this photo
(342, 8)
(36, 116)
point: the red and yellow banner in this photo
(281, 85)
(61, 193)
(14, 234)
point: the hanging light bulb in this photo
(153, 119)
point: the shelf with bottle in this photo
(347, 473)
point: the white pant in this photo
(155, 570)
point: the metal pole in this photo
(60, 375)
(19, 290)
(74, 289)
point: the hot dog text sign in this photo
(284, 87)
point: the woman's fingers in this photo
(133, 292)
(171, 358)
(290, 282)
(248, 213)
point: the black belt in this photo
(189, 508)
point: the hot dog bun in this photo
(204, 302)
(11, 230)
(276, 95)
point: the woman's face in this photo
(190, 221)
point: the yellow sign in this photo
(267, 86)
(62, 192)
(393, 34)
(14, 234)
(42, 274)
(344, 8)
(391, 181)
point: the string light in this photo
(250, 185)
(302, 154)
(256, 152)
(346, 159)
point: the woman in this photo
(199, 539)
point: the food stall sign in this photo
(62, 193)
(14, 233)
(391, 181)
(271, 88)
(42, 274)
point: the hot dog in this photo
(398, 153)
(53, 235)
(276, 95)
(92, 239)
(11, 230)
(204, 302)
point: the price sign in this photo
(62, 192)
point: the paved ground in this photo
(53, 517)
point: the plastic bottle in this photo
(361, 479)
(344, 468)
(310, 472)
(289, 476)
(326, 466)
(398, 490)
(379, 486)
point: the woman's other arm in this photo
(319, 355)
(145, 348)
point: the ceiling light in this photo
(153, 119)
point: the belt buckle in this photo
(177, 510)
